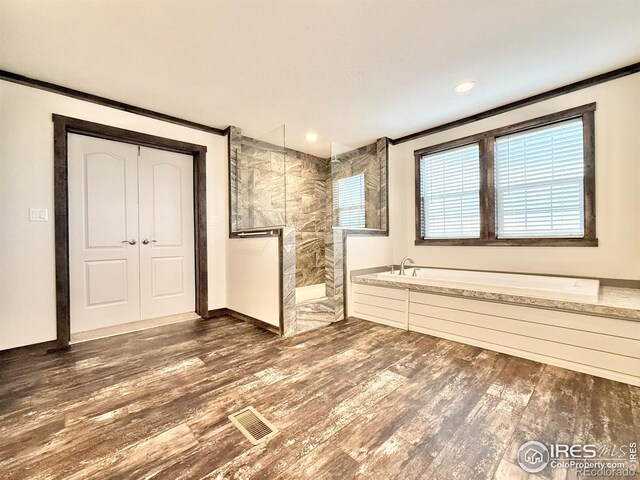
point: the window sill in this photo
(509, 242)
(364, 232)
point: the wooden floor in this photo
(352, 400)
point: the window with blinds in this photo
(348, 201)
(450, 193)
(539, 182)
(526, 184)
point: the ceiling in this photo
(349, 70)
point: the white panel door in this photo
(167, 258)
(103, 220)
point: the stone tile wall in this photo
(307, 184)
(370, 160)
(261, 184)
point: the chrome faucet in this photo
(405, 260)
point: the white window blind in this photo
(348, 201)
(539, 182)
(450, 193)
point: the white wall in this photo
(365, 252)
(253, 280)
(617, 138)
(27, 263)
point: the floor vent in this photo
(253, 425)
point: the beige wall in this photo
(27, 263)
(617, 138)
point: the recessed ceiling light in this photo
(464, 87)
(311, 137)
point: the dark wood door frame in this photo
(62, 126)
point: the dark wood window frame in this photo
(62, 126)
(486, 141)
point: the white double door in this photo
(131, 233)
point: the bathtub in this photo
(556, 288)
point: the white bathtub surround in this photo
(311, 292)
(600, 337)
(558, 288)
(611, 301)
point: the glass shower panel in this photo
(261, 183)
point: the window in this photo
(539, 182)
(348, 201)
(532, 183)
(450, 193)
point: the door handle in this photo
(147, 242)
(130, 242)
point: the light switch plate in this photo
(38, 214)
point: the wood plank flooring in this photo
(351, 400)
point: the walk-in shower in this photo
(315, 201)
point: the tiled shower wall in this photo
(272, 186)
(261, 181)
(307, 187)
(370, 160)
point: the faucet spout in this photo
(404, 261)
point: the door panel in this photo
(105, 199)
(167, 262)
(166, 210)
(103, 212)
(106, 282)
(168, 276)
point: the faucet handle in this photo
(393, 269)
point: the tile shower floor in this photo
(314, 314)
